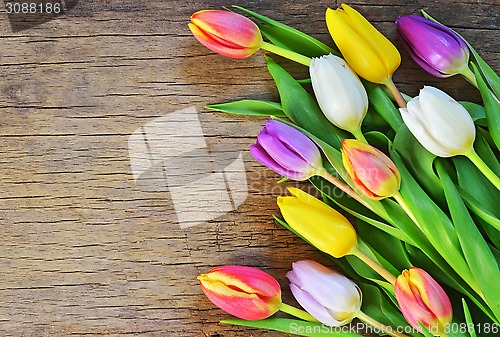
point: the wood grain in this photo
(84, 250)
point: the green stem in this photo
(395, 92)
(469, 76)
(381, 327)
(286, 53)
(343, 187)
(402, 202)
(358, 134)
(296, 312)
(375, 266)
(481, 165)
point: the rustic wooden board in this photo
(86, 251)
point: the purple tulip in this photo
(437, 49)
(328, 296)
(287, 151)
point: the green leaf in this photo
(366, 271)
(489, 74)
(476, 111)
(293, 326)
(480, 209)
(373, 120)
(491, 107)
(477, 186)
(289, 38)
(379, 240)
(303, 109)
(468, 319)
(249, 107)
(433, 222)
(377, 305)
(425, 332)
(479, 257)
(383, 105)
(420, 163)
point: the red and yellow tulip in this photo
(422, 300)
(241, 291)
(227, 33)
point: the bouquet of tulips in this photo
(419, 175)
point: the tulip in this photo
(244, 292)
(372, 172)
(437, 49)
(287, 151)
(227, 33)
(328, 296)
(366, 50)
(339, 92)
(318, 223)
(439, 123)
(422, 300)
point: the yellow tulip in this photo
(318, 223)
(366, 50)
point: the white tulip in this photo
(440, 124)
(328, 296)
(339, 92)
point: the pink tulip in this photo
(371, 171)
(422, 299)
(227, 33)
(244, 292)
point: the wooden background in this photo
(84, 251)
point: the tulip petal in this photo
(312, 306)
(446, 120)
(420, 133)
(295, 140)
(360, 57)
(431, 293)
(436, 48)
(370, 169)
(244, 292)
(381, 46)
(249, 307)
(248, 279)
(312, 202)
(340, 94)
(418, 57)
(215, 44)
(283, 155)
(372, 172)
(328, 231)
(411, 306)
(331, 289)
(422, 299)
(360, 186)
(265, 159)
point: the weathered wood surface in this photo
(84, 250)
